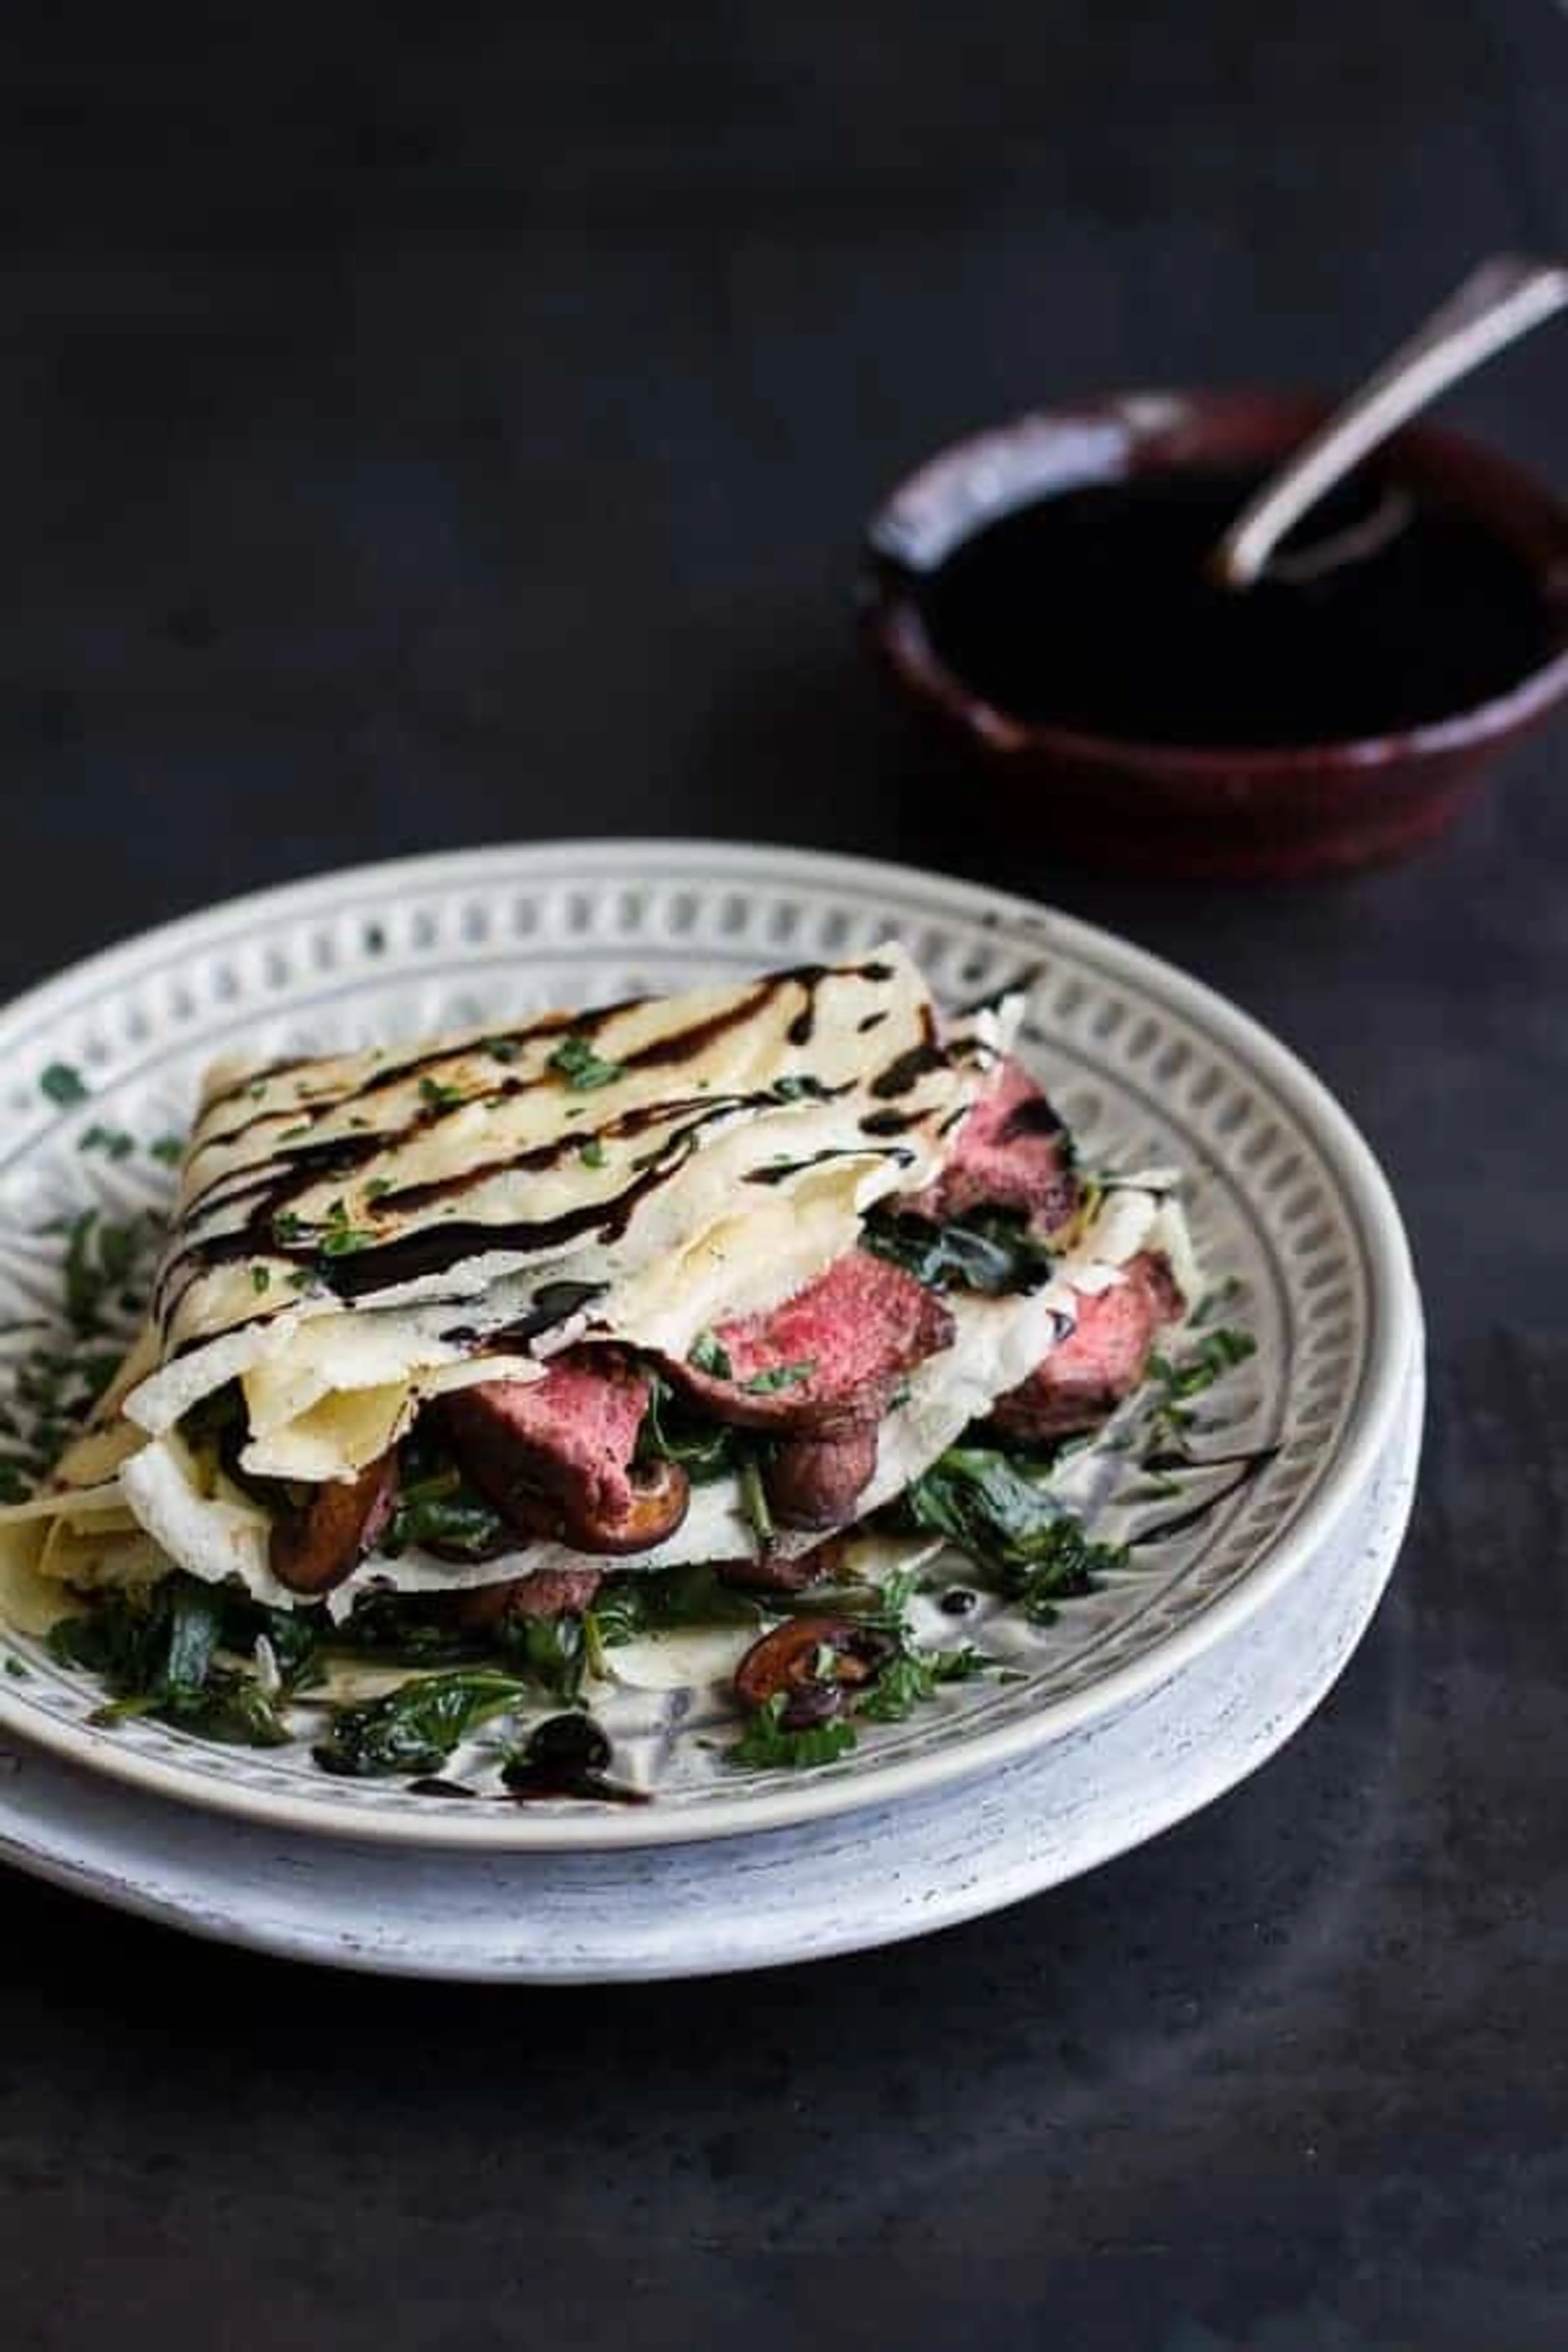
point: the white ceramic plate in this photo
(873, 1876)
(1284, 1198)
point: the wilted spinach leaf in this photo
(414, 1728)
(989, 1250)
(982, 1501)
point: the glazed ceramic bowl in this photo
(1205, 809)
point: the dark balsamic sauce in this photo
(566, 1757)
(1092, 611)
(374, 1265)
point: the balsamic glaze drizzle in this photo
(372, 1265)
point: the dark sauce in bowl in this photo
(1090, 611)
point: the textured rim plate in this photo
(866, 1878)
(1148, 1063)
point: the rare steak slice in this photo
(828, 1359)
(557, 1457)
(1086, 1375)
(1012, 1152)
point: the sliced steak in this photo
(816, 1481)
(556, 1456)
(1012, 1152)
(548, 1592)
(829, 1358)
(1088, 1375)
(313, 1549)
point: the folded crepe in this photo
(693, 1278)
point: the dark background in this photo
(437, 426)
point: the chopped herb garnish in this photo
(778, 1376)
(257, 1089)
(795, 1086)
(293, 1134)
(437, 1096)
(287, 1226)
(710, 1355)
(342, 1237)
(169, 1149)
(915, 1676)
(500, 1049)
(112, 1141)
(260, 1279)
(378, 1188)
(62, 1084)
(582, 1069)
(1219, 1352)
(766, 1743)
(591, 1152)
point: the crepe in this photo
(358, 1235)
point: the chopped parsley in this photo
(438, 1097)
(1217, 1352)
(169, 1149)
(62, 1084)
(342, 1237)
(915, 1676)
(287, 1227)
(591, 1152)
(710, 1355)
(260, 1279)
(378, 1188)
(582, 1069)
(777, 1377)
(766, 1743)
(500, 1049)
(112, 1141)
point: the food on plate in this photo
(501, 1355)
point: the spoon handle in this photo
(1496, 304)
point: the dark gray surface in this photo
(415, 437)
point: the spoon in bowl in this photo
(1496, 304)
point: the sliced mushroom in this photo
(661, 1495)
(314, 1548)
(815, 1482)
(816, 1662)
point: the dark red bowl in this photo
(1202, 809)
